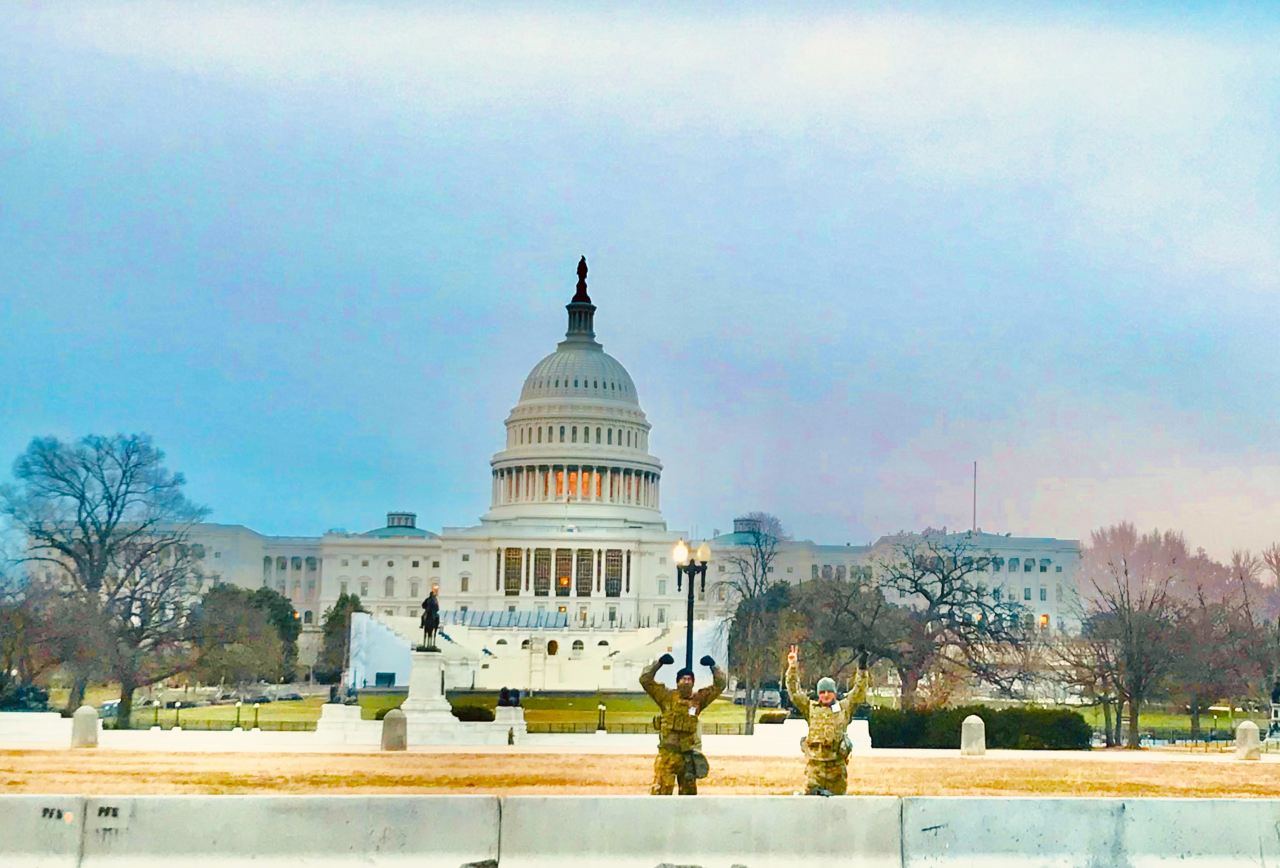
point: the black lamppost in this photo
(687, 567)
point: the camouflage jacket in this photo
(827, 724)
(678, 721)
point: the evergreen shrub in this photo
(1018, 728)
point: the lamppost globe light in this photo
(704, 553)
(681, 553)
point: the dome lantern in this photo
(582, 312)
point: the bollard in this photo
(84, 727)
(973, 736)
(395, 730)
(1247, 746)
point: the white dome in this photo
(580, 371)
(577, 444)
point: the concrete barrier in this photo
(395, 730)
(1247, 745)
(84, 727)
(1202, 832)
(1135, 833)
(707, 831)
(34, 727)
(635, 832)
(1001, 833)
(40, 831)
(292, 831)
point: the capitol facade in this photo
(573, 544)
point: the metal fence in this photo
(246, 722)
(1208, 740)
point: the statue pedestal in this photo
(339, 724)
(510, 719)
(430, 720)
(859, 733)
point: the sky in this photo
(314, 249)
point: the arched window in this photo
(577, 646)
(552, 647)
(524, 646)
(628, 438)
(539, 434)
(561, 433)
(501, 642)
(464, 584)
(597, 436)
(602, 644)
(308, 617)
(610, 437)
(390, 587)
(574, 434)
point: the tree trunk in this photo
(75, 698)
(910, 679)
(1106, 725)
(1133, 725)
(1118, 723)
(749, 707)
(1195, 718)
(124, 715)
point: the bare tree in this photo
(945, 617)
(749, 582)
(1128, 580)
(1085, 665)
(26, 638)
(1271, 560)
(843, 618)
(107, 525)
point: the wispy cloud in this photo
(1146, 136)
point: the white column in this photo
(573, 574)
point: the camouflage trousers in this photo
(829, 775)
(669, 768)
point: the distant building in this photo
(574, 535)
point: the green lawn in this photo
(294, 711)
(630, 708)
(624, 709)
(1165, 720)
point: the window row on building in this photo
(570, 572)
(532, 435)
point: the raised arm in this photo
(659, 692)
(719, 681)
(859, 684)
(799, 698)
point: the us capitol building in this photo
(568, 579)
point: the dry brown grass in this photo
(120, 772)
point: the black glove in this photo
(707, 661)
(666, 659)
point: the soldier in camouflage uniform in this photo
(826, 747)
(679, 739)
